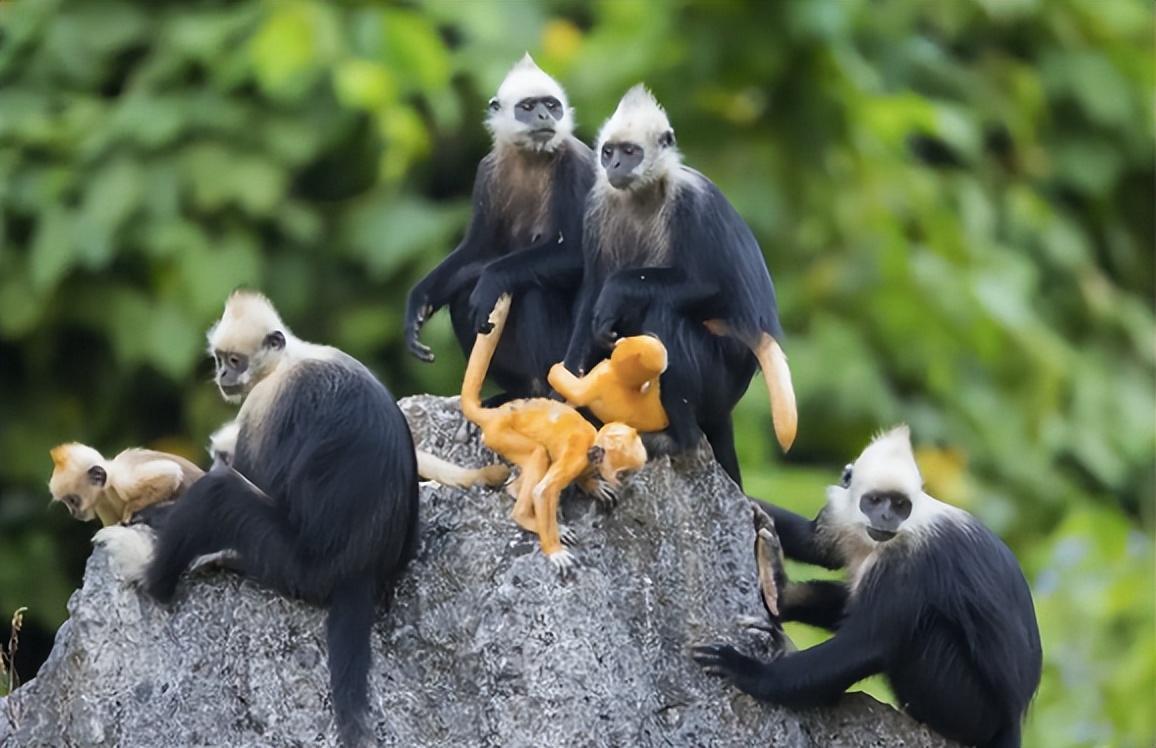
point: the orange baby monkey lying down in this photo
(550, 442)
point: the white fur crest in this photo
(248, 317)
(130, 549)
(641, 120)
(527, 80)
(888, 464)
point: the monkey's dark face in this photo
(238, 373)
(885, 512)
(540, 116)
(629, 164)
(621, 162)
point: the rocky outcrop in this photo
(482, 645)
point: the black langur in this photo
(666, 254)
(525, 235)
(934, 601)
(330, 515)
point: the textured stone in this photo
(483, 644)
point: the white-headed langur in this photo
(933, 600)
(667, 254)
(334, 519)
(524, 236)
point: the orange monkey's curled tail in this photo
(479, 363)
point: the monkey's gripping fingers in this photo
(724, 661)
(484, 298)
(567, 535)
(417, 312)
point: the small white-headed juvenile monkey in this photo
(334, 518)
(223, 444)
(934, 601)
(552, 444)
(526, 227)
(114, 490)
(666, 253)
(623, 388)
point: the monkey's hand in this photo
(725, 661)
(418, 310)
(484, 297)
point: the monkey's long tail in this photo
(479, 363)
(430, 467)
(348, 628)
(777, 375)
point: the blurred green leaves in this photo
(955, 200)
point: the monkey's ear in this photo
(494, 105)
(97, 476)
(666, 139)
(275, 340)
(595, 455)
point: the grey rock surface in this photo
(482, 645)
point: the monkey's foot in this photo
(772, 578)
(225, 559)
(564, 561)
(567, 535)
(130, 549)
(780, 642)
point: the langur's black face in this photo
(540, 115)
(885, 512)
(237, 373)
(620, 160)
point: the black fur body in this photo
(945, 615)
(337, 523)
(525, 238)
(673, 256)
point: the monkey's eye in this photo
(494, 105)
(628, 150)
(902, 505)
(551, 104)
(845, 480)
(607, 151)
(234, 361)
(527, 106)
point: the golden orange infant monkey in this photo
(549, 441)
(622, 388)
(90, 486)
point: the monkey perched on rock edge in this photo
(934, 601)
(551, 443)
(114, 490)
(666, 253)
(525, 234)
(327, 445)
(623, 388)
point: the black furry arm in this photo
(555, 263)
(628, 294)
(581, 352)
(812, 677)
(815, 603)
(460, 267)
(801, 538)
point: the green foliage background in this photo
(955, 199)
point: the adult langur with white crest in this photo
(524, 236)
(666, 254)
(933, 600)
(319, 500)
